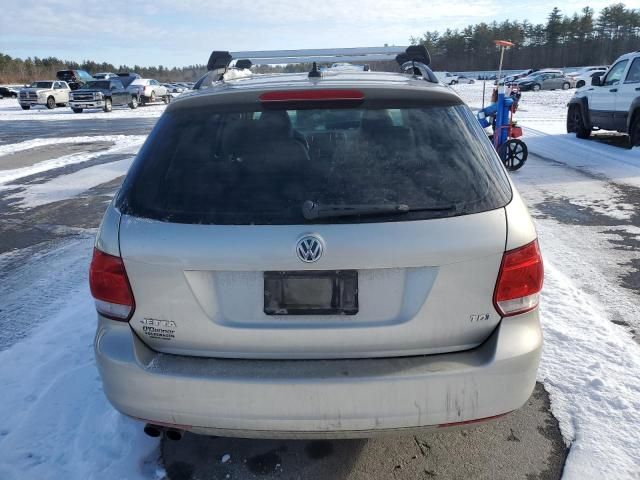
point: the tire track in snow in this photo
(29, 296)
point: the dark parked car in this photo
(546, 80)
(75, 78)
(104, 94)
(8, 92)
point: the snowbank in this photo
(55, 422)
(589, 367)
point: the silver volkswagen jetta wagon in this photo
(305, 256)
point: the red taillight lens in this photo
(519, 281)
(110, 286)
(312, 95)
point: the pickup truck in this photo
(612, 102)
(50, 93)
(104, 94)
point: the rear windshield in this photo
(260, 167)
(65, 75)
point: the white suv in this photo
(612, 102)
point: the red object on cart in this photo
(515, 132)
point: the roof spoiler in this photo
(220, 60)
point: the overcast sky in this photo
(183, 32)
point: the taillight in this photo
(110, 286)
(519, 281)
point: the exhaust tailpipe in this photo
(173, 434)
(153, 430)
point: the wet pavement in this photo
(526, 444)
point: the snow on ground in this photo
(614, 163)
(589, 365)
(56, 423)
(549, 190)
(121, 144)
(10, 110)
(602, 198)
(67, 186)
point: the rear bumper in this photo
(319, 398)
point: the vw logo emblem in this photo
(309, 248)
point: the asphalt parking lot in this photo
(524, 445)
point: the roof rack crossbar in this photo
(414, 60)
(321, 55)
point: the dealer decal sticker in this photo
(159, 329)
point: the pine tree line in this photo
(564, 41)
(16, 70)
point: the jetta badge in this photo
(309, 248)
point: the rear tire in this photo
(536, 87)
(77, 110)
(107, 105)
(25, 107)
(634, 132)
(167, 99)
(566, 86)
(133, 104)
(51, 103)
(575, 123)
(152, 98)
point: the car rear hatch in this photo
(349, 223)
